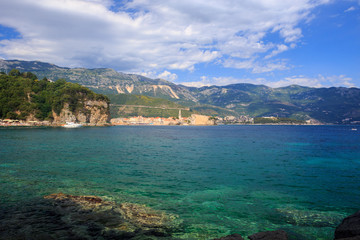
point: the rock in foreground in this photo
(63, 216)
(270, 235)
(234, 236)
(349, 229)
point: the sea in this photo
(218, 180)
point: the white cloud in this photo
(153, 34)
(166, 75)
(204, 81)
(317, 82)
(350, 9)
(222, 81)
(256, 66)
(280, 48)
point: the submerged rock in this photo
(234, 236)
(270, 235)
(147, 218)
(63, 216)
(310, 217)
(349, 229)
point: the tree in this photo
(11, 115)
(30, 75)
(22, 94)
(14, 73)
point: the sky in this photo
(277, 43)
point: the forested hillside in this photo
(23, 96)
(126, 105)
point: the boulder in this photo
(234, 236)
(270, 235)
(349, 228)
(350, 238)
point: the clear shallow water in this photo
(219, 180)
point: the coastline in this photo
(20, 123)
(45, 124)
(198, 120)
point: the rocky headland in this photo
(92, 113)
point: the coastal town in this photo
(193, 120)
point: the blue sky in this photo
(193, 42)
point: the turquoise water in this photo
(219, 180)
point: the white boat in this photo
(72, 125)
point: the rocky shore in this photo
(15, 123)
(63, 216)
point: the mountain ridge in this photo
(336, 105)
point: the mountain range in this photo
(335, 105)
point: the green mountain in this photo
(329, 105)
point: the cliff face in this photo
(197, 119)
(93, 113)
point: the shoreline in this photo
(35, 124)
(42, 125)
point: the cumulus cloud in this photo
(143, 35)
(166, 75)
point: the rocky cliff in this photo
(93, 113)
(197, 119)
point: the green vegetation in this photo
(126, 105)
(263, 120)
(22, 95)
(210, 110)
(128, 99)
(132, 111)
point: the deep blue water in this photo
(219, 179)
